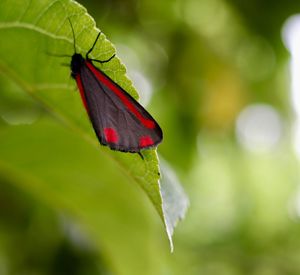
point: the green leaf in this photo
(175, 202)
(29, 30)
(73, 178)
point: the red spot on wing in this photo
(146, 141)
(111, 135)
(81, 90)
(148, 123)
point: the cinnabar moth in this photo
(119, 121)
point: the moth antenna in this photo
(74, 41)
(90, 50)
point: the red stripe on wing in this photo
(121, 94)
(80, 87)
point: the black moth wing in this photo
(116, 124)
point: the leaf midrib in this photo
(67, 122)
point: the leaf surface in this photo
(61, 161)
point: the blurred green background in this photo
(221, 78)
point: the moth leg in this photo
(90, 50)
(140, 154)
(104, 61)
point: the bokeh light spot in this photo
(291, 38)
(259, 128)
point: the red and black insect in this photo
(119, 121)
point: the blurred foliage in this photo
(205, 61)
